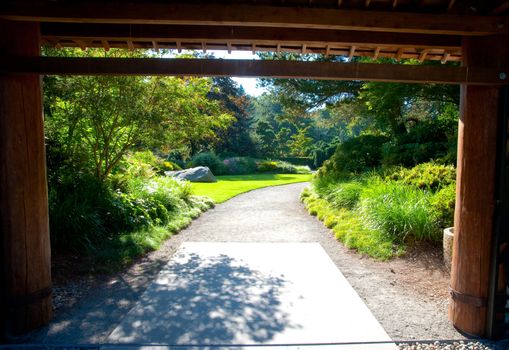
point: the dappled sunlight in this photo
(210, 301)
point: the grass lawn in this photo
(229, 186)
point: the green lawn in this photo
(229, 186)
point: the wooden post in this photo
(25, 244)
(475, 189)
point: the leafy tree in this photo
(96, 120)
(267, 138)
(236, 139)
(301, 143)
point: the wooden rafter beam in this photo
(252, 68)
(119, 32)
(503, 6)
(376, 53)
(105, 45)
(257, 16)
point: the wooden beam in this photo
(399, 54)
(351, 53)
(252, 68)
(311, 37)
(501, 7)
(445, 58)
(376, 53)
(423, 54)
(25, 263)
(254, 16)
(105, 45)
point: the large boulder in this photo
(198, 174)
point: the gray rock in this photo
(198, 174)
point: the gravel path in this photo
(408, 297)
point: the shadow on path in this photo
(207, 301)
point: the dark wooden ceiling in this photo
(400, 29)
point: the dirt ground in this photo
(407, 295)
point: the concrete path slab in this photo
(251, 293)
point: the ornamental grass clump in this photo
(398, 211)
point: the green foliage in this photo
(210, 160)
(237, 138)
(356, 155)
(387, 208)
(280, 167)
(99, 119)
(443, 204)
(77, 207)
(305, 161)
(349, 229)
(240, 165)
(428, 139)
(398, 211)
(345, 195)
(428, 176)
(168, 165)
(116, 220)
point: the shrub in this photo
(304, 161)
(280, 167)
(356, 155)
(76, 206)
(139, 164)
(429, 176)
(434, 138)
(443, 204)
(209, 160)
(240, 165)
(168, 165)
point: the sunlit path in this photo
(250, 293)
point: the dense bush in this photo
(430, 176)
(240, 165)
(434, 138)
(78, 208)
(280, 167)
(443, 203)
(356, 155)
(304, 161)
(113, 221)
(210, 160)
(245, 165)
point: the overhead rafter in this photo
(122, 32)
(249, 15)
(230, 38)
(252, 68)
(503, 6)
